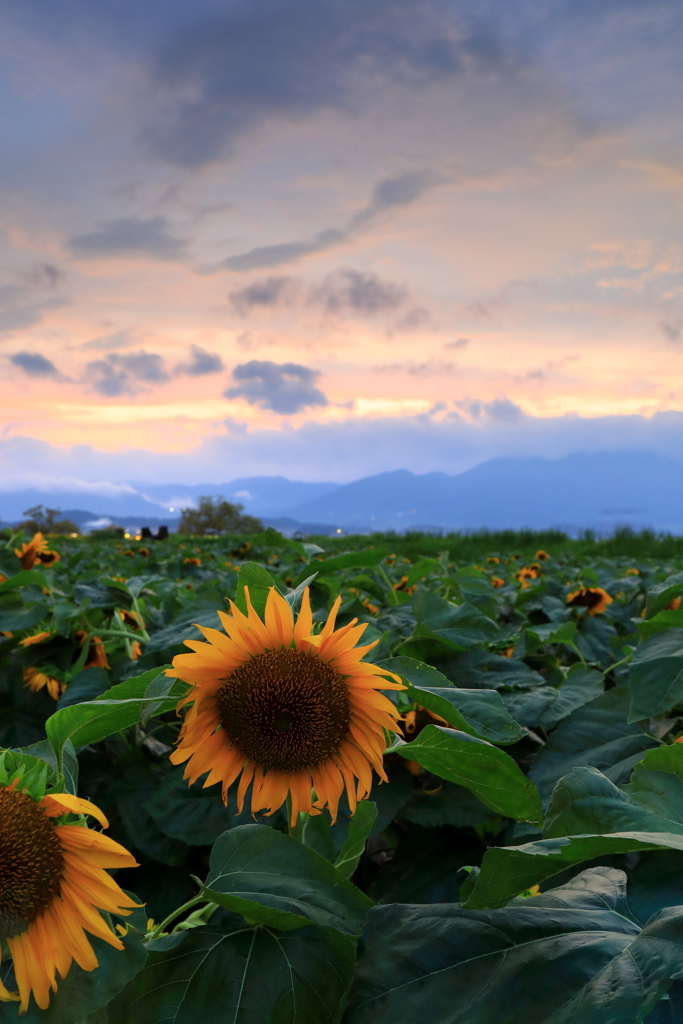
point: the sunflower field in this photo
(367, 780)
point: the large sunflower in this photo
(36, 551)
(52, 878)
(290, 709)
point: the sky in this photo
(279, 236)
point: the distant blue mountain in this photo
(599, 491)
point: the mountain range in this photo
(583, 490)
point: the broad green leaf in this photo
(545, 706)
(482, 670)
(359, 831)
(197, 816)
(82, 993)
(87, 684)
(422, 568)
(22, 618)
(44, 751)
(293, 598)
(571, 954)
(116, 709)
(597, 734)
(586, 802)
(237, 973)
(479, 712)
(24, 578)
(259, 581)
(351, 560)
(490, 773)
(509, 870)
(159, 688)
(662, 594)
(258, 864)
(656, 675)
(184, 628)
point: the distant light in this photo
(171, 510)
(338, 531)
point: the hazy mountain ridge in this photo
(581, 490)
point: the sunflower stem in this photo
(156, 932)
(296, 831)
(392, 596)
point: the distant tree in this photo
(39, 520)
(215, 515)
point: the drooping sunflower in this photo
(34, 551)
(35, 680)
(594, 599)
(53, 881)
(287, 708)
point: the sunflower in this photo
(595, 599)
(541, 556)
(36, 551)
(37, 638)
(96, 656)
(290, 709)
(53, 881)
(35, 680)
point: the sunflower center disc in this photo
(31, 862)
(285, 710)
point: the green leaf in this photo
(194, 815)
(82, 993)
(597, 734)
(43, 750)
(259, 581)
(545, 706)
(656, 675)
(359, 832)
(490, 773)
(294, 596)
(183, 628)
(159, 688)
(235, 973)
(351, 560)
(586, 802)
(662, 594)
(509, 870)
(87, 684)
(257, 864)
(25, 578)
(116, 709)
(482, 670)
(22, 618)
(422, 568)
(572, 954)
(480, 713)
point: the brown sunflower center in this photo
(587, 598)
(31, 862)
(285, 710)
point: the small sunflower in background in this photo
(541, 556)
(290, 709)
(594, 599)
(53, 883)
(36, 551)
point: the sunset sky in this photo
(328, 238)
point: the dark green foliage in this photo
(536, 749)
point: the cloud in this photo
(129, 236)
(428, 368)
(236, 68)
(387, 194)
(500, 410)
(270, 292)
(457, 343)
(414, 320)
(201, 362)
(119, 374)
(19, 307)
(45, 275)
(119, 339)
(671, 331)
(283, 252)
(35, 365)
(357, 291)
(285, 388)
